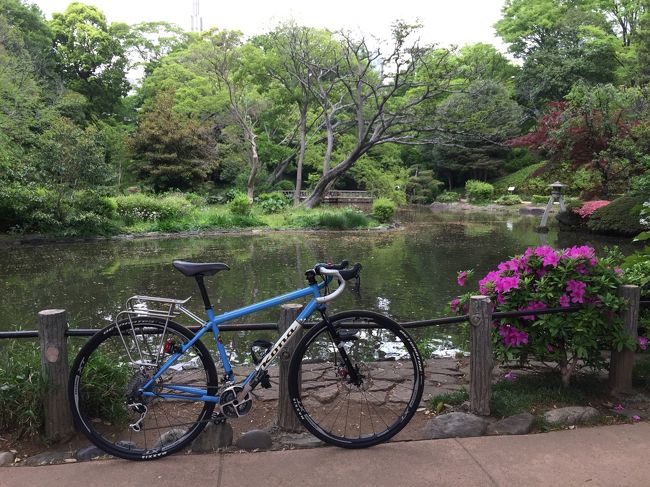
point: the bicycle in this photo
(145, 386)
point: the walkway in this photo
(599, 456)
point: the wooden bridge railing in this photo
(336, 195)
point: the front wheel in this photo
(106, 381)
(361, 408)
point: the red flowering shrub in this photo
(586, 210)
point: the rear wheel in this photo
(362, 413)
(119, 360)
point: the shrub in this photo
(448, 197)
(541, 278)
(284, 185)
(383, 210)
(332, 219)
(587, 209)
(620, 217)
(538, 199)
(273, 202)
(142, 207)
(478, 191)
(240, 205)
(29, 208)
(508, 200)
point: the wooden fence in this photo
(53, 332)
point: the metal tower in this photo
(197, 20)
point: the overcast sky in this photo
(446, 22)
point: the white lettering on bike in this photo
(278, 346)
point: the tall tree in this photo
(91, 56)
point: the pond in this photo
(408, 273)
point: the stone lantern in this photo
(556, 195)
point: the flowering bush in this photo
(586, 210)
(546, 278)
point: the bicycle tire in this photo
(356, 416)
(104, 380)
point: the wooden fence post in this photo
(481, 360)
(52, 326)
(621, 363)
(287, 419)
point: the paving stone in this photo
(299, 440)
(519, 424)
(213, 437)
(326, 394)
(570, 415)
(454, 425)
(6, 458)
(266, 395)
(255, 440)
(380, 385)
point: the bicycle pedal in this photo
(265, 345)
(265, 381)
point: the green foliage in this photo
(508, 200)
(422, 187)
(448, 197)
(345, 219)
(141, 207)
(285, 185)
(478, 191)
(539, 199)
(521, 180)
(620, 217)
(240, 205)
(21, 388)
(383, 210)
(273, 202)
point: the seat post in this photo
(204, 293)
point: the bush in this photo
(588, 208)
(273, 202)
(332, 219)
(620, 217)
(448, 197)
(142, 207)
(508, 200)
(383, 210)
(539, 199)
(478, 191)
(29, 208)
(240, 205)
(543, 278)
(284, 185)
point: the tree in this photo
(175, 151)
(151, 41)
(384, 93)
(91, 57)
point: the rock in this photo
(47, 458)
(169, 437)
(570, 415)
(254, 440)
(454, 425)
(6, 457)
(88, 453)
(213, 437)
(532, 210)
(299, 440)
(519, 424)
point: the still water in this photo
(408, 273)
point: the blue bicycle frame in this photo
(196, 394)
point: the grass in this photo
(535, 393)
(516, 179)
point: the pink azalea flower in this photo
(577, 290)
(455, 303)
(510, 376)
(549, 348)
(513, 337)
(636, 418)
(618, 407)
(643, 342)
(618, 271)
(565, 301)
(532, 305)
(505, 284)
(462, 276)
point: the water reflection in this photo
(409, 273)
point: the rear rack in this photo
(153, 306)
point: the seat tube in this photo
(204, 292)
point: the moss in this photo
(620, 217)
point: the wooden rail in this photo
(53, 332)
(336, 196)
